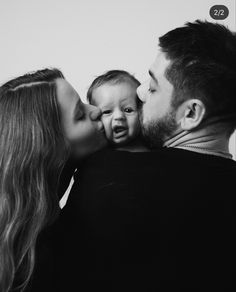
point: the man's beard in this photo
(156, 132)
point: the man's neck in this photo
(211, 139)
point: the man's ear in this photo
(193, 111)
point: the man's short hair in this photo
(203, 66)
(113, 77)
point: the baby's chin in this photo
(116, 143)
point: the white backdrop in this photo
(84, 38)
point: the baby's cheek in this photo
(107, 128)
(106, 122)
(136, 125)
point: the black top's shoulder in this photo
(135, 220)
(167, 213)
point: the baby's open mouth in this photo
(119, 131)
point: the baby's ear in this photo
(193, 111)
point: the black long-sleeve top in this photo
(145, 222)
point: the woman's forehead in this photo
(64, 86)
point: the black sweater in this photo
(150, 221)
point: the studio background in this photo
(85, 38)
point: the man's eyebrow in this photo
(153, 76)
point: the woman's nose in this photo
(94, 113)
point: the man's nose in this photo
(94, 113)
(142, 91)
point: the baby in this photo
(115, 94)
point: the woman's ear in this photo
(193, 111)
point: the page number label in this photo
(219, 12)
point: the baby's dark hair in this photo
(113, 77)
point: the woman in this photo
(43, 122)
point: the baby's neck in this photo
(135, 145)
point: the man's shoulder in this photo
(161, 155)
(109, 164)
(109, 160)
(111, 154)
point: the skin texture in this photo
(83, 129)
(118, 103)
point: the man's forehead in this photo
(160, 64)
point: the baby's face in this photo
(118, 103)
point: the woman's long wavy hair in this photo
(32, 154)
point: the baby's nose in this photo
(118, 115)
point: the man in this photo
(189, 101)
(162, 220)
